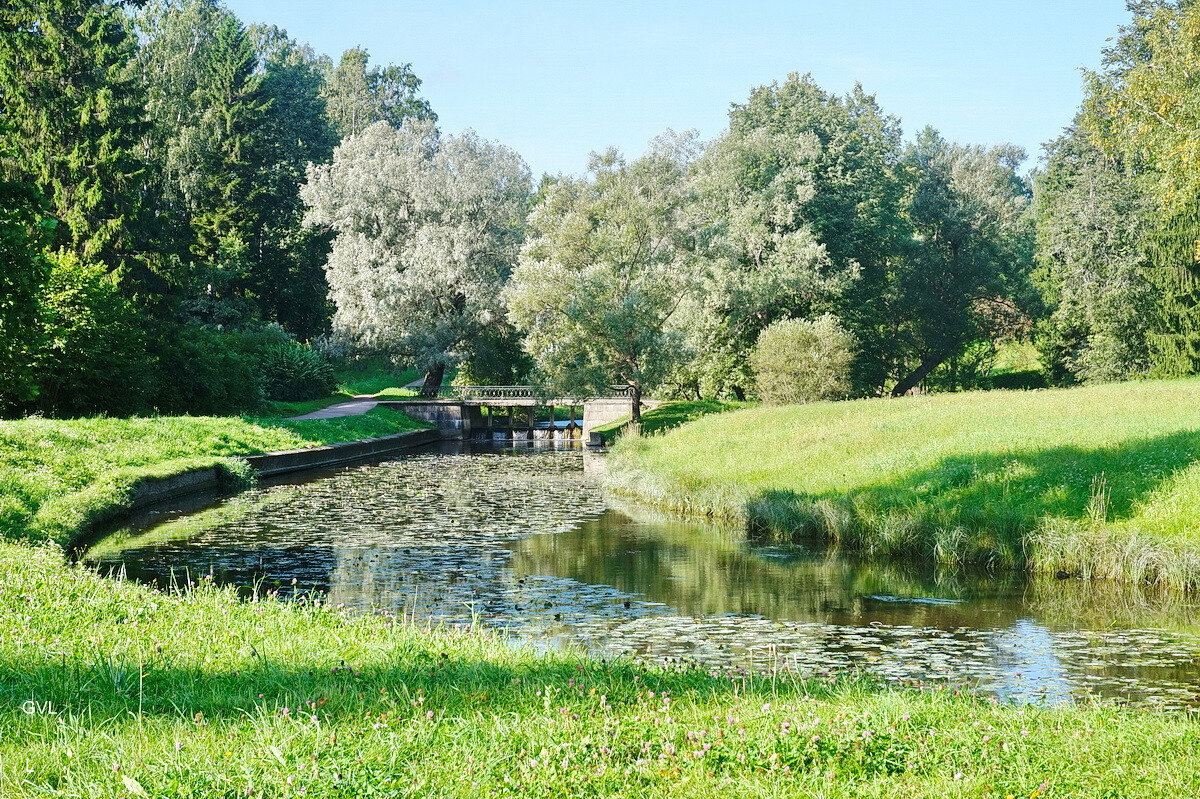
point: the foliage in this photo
(358, 95)
(94, 355)
(801, 360)
(204, 370)
(72, 107)
(294, 371)
(426, 230)
(23, 273)
(606, 268)
(1100, 480)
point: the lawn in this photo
(1097, 481)
(667, 416)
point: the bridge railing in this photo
(517, 392)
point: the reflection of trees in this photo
(701, 570)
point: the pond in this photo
(527, 541)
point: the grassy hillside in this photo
(667, 416)
(56, 474)
(1099, 481)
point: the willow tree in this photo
(426, 230)
(607, 267)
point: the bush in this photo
(294, 371)
(94, 357)
(204, 372)
(797, 360)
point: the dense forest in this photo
(197, 214)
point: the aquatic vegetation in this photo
(110, 689)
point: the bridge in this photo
(518, 413)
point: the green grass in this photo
(372, 377)
(109, 689)
(1100, 481)
(58, 475)
(667, 416)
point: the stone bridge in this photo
(518, 413)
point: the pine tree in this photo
(74, 107)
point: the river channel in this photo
(527, 541)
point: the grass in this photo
(58, 475)
(372, 377)
(1099, 481)
(110, 689)
(667, 416)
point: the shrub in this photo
(203, 372)
(797, 360)
(94, 356)
(294, 371)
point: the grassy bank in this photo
(1099, 481)
(113, 690)
(370, 377)
(56, 475)
(667, 416)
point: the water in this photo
(526, 541)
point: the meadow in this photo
(1098, 481)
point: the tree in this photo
(843, 155)
(426, 229)
(73, 104)
(1143, 108)
(1093, 220)
(752, 187)
(801, 360)
(287, 278)
(974, 243)
(24, 233)
(206, 103)
(358, 95)
(606, 269)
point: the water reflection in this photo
(526, 541)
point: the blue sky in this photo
(557, 80)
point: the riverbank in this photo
(1097, 481)
(56, 476)
(109, 689)
(112, 689)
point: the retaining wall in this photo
(154, 491)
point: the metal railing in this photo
(518, 392)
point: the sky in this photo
(558, 80)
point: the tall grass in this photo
(1099, 481)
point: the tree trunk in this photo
(927, 365)
(433, 381)
(635, 412)
(739, 393)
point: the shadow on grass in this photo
(443, 683)
(980, 509)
